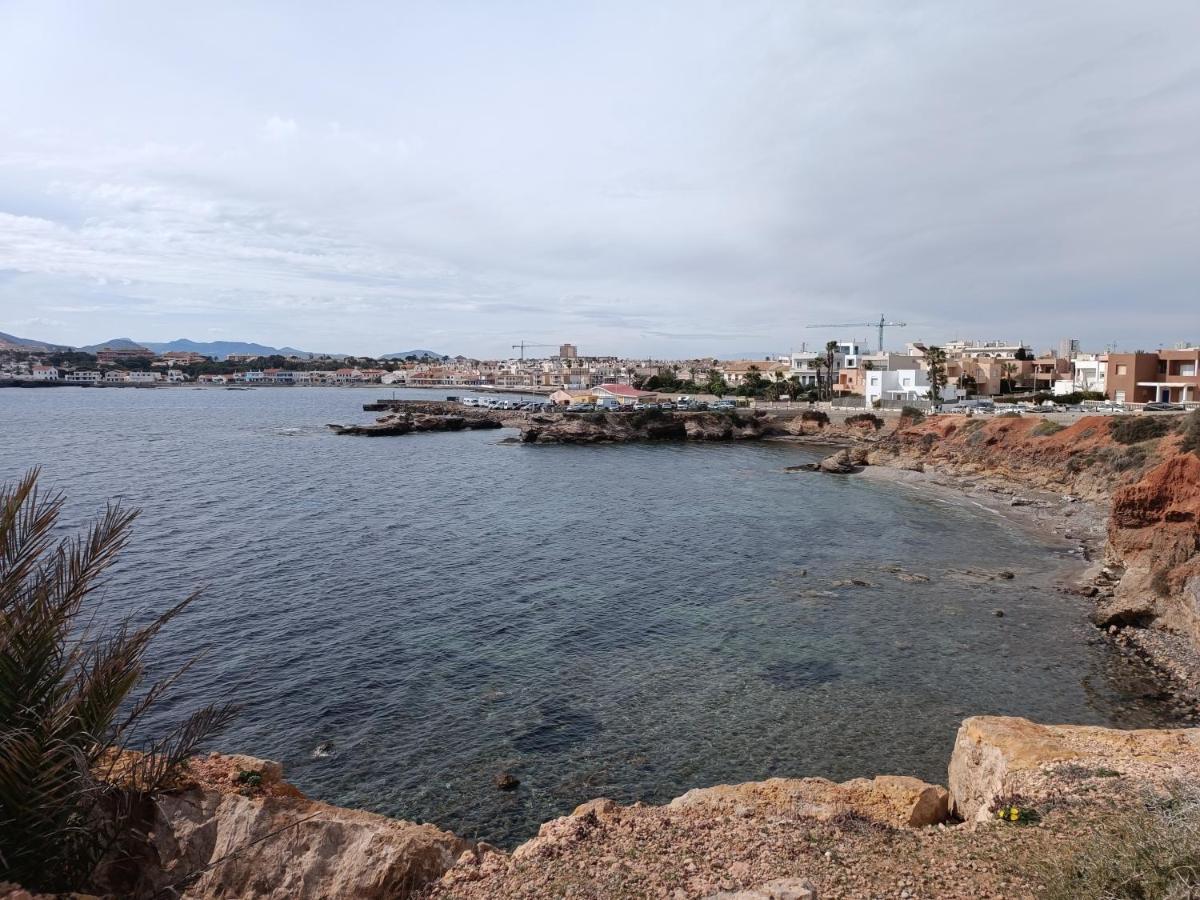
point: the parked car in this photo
(1163, 407)
(666, 406)
(725, 405)
(582, 407)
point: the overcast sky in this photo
(667, 179)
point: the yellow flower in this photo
(1014, 814)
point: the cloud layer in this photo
(665, 179)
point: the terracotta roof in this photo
(622, 390)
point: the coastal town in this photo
(843, 371)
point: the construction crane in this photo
(521, 346)
(881, 324)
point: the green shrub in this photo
(1190, 426)
(913, 414)
(1135, 429)
(865, 419)
(70, 703)
(1148, 847)
(815, 415)
(1045, 428)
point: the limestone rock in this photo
(895, 800)
(280, 845)
(998, 755)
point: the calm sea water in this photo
(623, 621)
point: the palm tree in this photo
(818, 364)
(935, 360)
(68, 795)
(830, 368)
(1007, 369)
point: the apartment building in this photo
(1166, 376)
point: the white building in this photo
(175, 376)
(83, 377)
(902, 385)
(115, 375)
(1089, 372)
(846, 356)
(44, 373)
(143, 377)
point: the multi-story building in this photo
(1047, 370)
(110, 356)
(184, 357)
(901, 386)
(1089, 373)
(568, 351)
(1170, 376)
(44, 373)
(81, 376)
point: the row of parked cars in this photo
(500, 403)
(1110, 408)
(685, 404)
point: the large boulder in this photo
(895, 800)
(998, 756)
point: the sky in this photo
(666, 179)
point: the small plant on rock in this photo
(1015, 809)
(912, 414)
(1135, 429)
(815, 415)
(1190, 427)
(865, 419)
(1045, 428)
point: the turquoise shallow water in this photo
(623, 621)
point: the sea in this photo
(400, 619)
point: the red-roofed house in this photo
(623, 394)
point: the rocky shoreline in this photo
(220, 834)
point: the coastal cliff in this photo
(222, 834)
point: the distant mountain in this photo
(117, 344)
(12, 342)
(419, 354)
(222, 349)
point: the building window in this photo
(1122, 369)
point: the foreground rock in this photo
(886, 799)
(997, 757)
(226, 834)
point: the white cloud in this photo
(278, 129)
(699, 178)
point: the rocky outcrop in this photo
(236, 830)
(997, 757)
(649, 425)
(408, 423)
